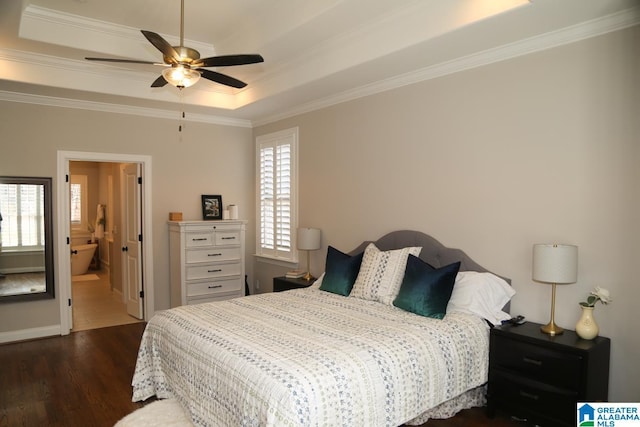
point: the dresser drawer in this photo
(214, 298)
(557, 368)
(212, 254)
(210, 271)
(204, 238)
(212, 287)
(523, 397)
(231, 237)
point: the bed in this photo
(329, 355)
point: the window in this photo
(78, 200)
(276, 187)
(22, 210)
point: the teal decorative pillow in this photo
(426, 290)
(341, 271)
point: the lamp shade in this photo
(308, 239)
(555, 263)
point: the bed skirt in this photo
(470, 399)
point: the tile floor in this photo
(96, 306)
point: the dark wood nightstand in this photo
(540, 378)
(284, 284)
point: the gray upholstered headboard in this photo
(433, 252)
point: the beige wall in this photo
(209, 159)
(541, 148)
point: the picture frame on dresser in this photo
(211, 207)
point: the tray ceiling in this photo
(316, 52)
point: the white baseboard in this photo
(29, 334)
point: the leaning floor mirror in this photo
(26, 239)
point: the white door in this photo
(132, 285)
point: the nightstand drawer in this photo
(526, 397)
(557, 368)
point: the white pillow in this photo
(381, 273)
(483, 294)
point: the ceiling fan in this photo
(184, 65)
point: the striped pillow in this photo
(381, 273)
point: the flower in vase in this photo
(598, 294)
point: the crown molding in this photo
(572, 34)
(50, 101)
(65, 29)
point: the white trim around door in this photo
(62, 229)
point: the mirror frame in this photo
(49, 292)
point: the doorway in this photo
(144, 267)
(105, 201)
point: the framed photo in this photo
(211, 207)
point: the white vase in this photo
(587, 328)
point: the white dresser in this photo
(206, 261)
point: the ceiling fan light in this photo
(181, 76)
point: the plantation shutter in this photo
(277, 195)
(22, 208)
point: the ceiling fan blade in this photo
(159, 82)
(229, 60)
(221, 78)
(127, 61)
(162, 45)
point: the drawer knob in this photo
(199, 239)
(215, 286)
(214, 254)
(532, 361)
(228, 238)
(214, 271)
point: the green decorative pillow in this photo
(341, 271)
(426, 290)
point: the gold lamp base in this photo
(551, 329)
(308, 277)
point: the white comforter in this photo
(308, 358)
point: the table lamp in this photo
(308, 240)
(557, 265)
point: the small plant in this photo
(598, 294)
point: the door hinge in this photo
(69, 302)
(141, 294)
(139, 237)
(68, 241)
(66, 178)
(139, 180)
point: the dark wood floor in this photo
(84, 379)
